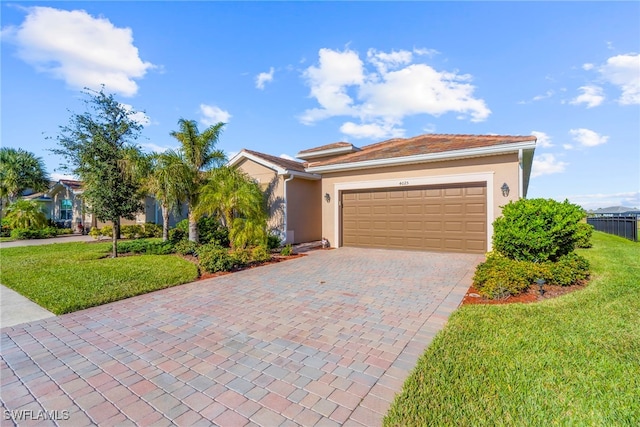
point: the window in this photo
(66, 209)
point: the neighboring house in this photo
(64, 205)
(293, 195)
(615, 211)
(430, 192)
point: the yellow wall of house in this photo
(304, 210)
(273, 186)
(502, 168)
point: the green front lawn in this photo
(573, 360)
(66, 277)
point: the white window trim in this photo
(412, 182)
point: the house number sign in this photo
(404, 182)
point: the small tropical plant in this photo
(287, 250)
(25, 214)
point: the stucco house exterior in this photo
(430, 192)
(63, 203)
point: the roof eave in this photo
(423, 158)
(277, 168)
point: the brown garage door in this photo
(451, 218)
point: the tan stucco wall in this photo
(502, 168)
(273, 186)
(304, 210)
(61, 193)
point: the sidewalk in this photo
(16, 309)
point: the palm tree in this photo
(239, 202)
(200, 155)
(19, 170)
(25, 214)
(168, 182)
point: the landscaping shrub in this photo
(187, 247)
(146, 247)
(95, 232)
(152, 230)
(211, 231)
(499, 276)
(33, 233)
(273, 241)
(570, 269)
(537, 229)
(5, 231)
(287, 250)
(132, 231)
(242, 256)
(261, 254)
(106, 231)
(176, 235)
(213, 258)
(583, 235)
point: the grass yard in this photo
(68, 277)
(573, 360)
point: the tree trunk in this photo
(165, 223)
(193, 226)
(114, 239)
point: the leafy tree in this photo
(25, 214)
(19, 170)
(199, 152)
(99, 147)
(168, 180)
(238, 200)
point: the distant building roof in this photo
(616, 210)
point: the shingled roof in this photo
(292, 165)
(422, 145)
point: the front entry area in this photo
(447, 218)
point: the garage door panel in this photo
(439, 218)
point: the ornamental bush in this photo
(261, 254)
(499, 277)
(33, 233)
(213, 258)
(186, 247)
(584, 233)
(537, 229)
(146, 247)
(568, 270)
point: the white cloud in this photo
(624, 71)
(547, 94)
(55, 176)
(212, 115)
(602, 200)
(81, 50)
(591, 95)
(547, 164)
(587, 66)
(382, 92)
(371, 130)
(587, 137)
(137, 116)
(263, 78)
(150, 146)
(287, 157)
(567, 146)
(544, 140)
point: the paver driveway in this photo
(326, 339)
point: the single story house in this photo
(430, 192)
(63, 204)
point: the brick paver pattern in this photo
(326, 339)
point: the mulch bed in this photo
(531, 295)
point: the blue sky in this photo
(288, 76)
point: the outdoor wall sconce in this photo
(505, 189)
(541, 283)
(327, 197)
